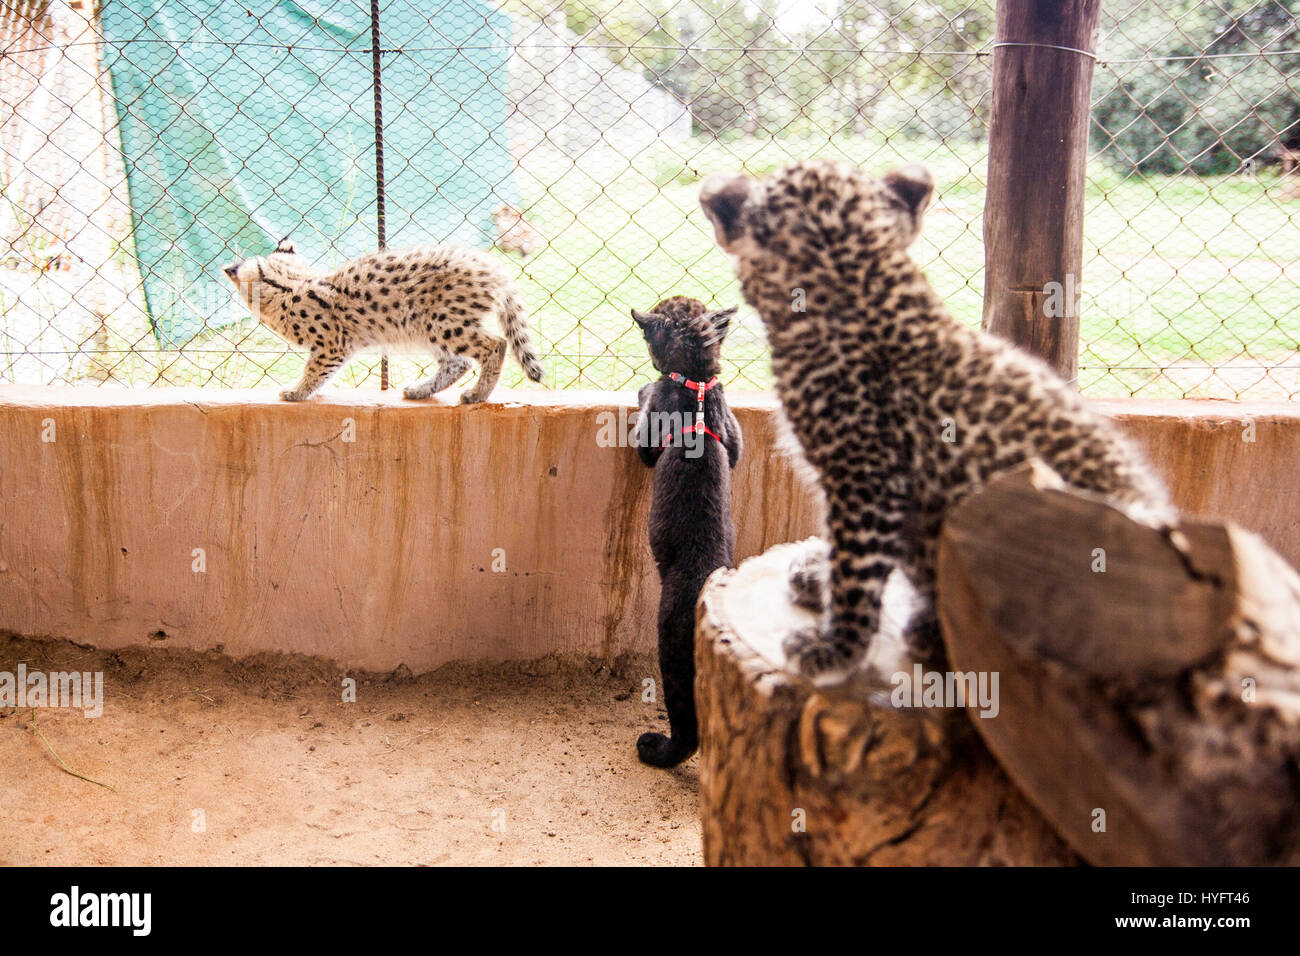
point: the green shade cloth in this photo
(242, 123)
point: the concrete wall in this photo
(379, 550)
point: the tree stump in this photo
(796, 774)
(1146, 710)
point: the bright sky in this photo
(794, 15)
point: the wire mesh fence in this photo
(143, 144)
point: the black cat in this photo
(686, 432)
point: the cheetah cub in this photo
(899, 409)
(433, 297)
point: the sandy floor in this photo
(260, 762)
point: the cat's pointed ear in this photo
(720, 319)
(643, 319)
(911, 187)
(285, 246)
(723, 197)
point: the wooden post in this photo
(1289, 177)
(1038, 141)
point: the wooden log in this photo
(1149, 699)
(1038, 141)
(1289, 177)
(796, 774)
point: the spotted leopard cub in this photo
(433, 297)
(901, 410)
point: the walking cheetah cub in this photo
(900, 409)
(434, 297)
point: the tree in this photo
(1190, 87)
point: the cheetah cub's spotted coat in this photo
(901, 410)
(433, 297)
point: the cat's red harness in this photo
(700, 388)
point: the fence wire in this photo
(140, 143)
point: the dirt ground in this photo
(259, 761)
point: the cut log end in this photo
(1149, 683)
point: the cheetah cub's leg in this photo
(320, 366)
(450, 369)
(810, 575)
(489, 351)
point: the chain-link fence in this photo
(143, 143)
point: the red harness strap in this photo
(699, 388)
(692, 430)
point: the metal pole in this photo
(377, 68)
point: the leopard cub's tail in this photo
(518, 335)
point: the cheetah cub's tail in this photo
(517, 334)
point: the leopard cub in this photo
(900, 409)
(434, 297)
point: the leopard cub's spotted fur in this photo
(433, 297)
(900, 409)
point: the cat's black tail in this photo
(677, 665)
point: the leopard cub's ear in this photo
(911, 186)
(643, 319)
(723, 199)
(285, 246)
(908, 189)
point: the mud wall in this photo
(380, 532)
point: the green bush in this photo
(1166, 100)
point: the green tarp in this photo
(243, 122)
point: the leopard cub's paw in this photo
(810, 577)
(922, 636)
(292, 395)
(811, 653)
